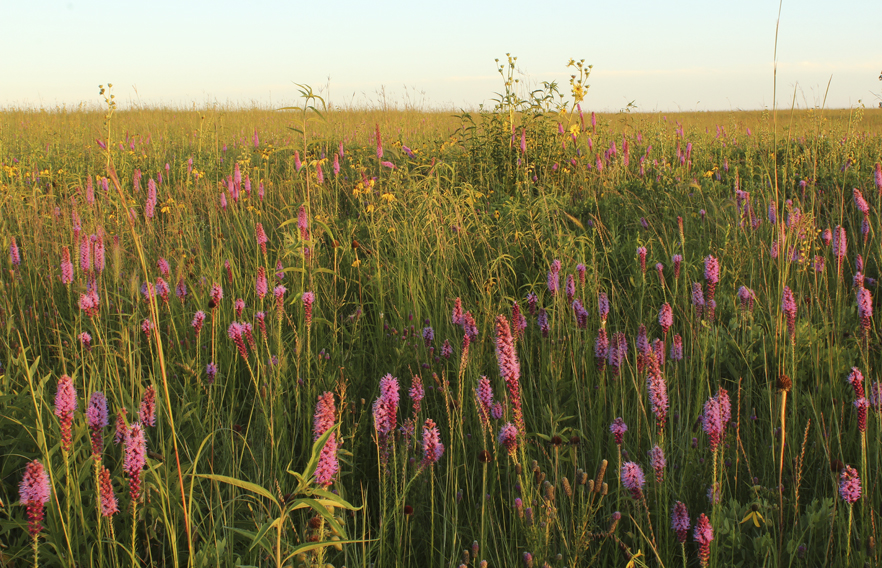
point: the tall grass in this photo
(464, 213)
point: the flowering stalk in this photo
(34, 493)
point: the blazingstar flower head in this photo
(432, 446)
(633, 480)
(618, 429)
(65, 404)
(508, 438)
(34, 492)
(704, 534)
(849, 485)
(680, 521)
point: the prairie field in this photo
(523, 336)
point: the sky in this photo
(688, 55)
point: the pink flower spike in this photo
(704, 534)
(433, 449)
(34, 492)
(65, 405)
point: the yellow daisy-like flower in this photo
(574, 129)
(356, 263)
(370, 208)
(388, 197)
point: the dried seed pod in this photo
(568, 489)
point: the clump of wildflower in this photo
(109, 504)
(509, 368)
(704, 534)
(680, 521)
(618, 429)
(658, 462)
(147, 412)
(508, 438)
(136, 458)
(849, 485)
(641, 257)
(97, 419)
(433, 449)
(633, 480)
(34, 493)
(65, 405)
(788, 306)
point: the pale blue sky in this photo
(678, 54)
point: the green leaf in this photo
(242, 485)
(253, 536)
(306, 547)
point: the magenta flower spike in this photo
(97, 420)
(456, 316)
(236, 333)
(65, 405)
(508, 438)
(279, 294)
(34, 492)
(67, 270)
(788, 306)
(712, 422)
(109, 504)
(677, 259)
(379, 144)
(554, 277)
(325, 414)
(260, 235)
(603, 306)
(417, 393)
(618, 429)
(665, 318)
(658, 390)
(570, 288)
(428, 335)
(601, 349)
(712, 275)
(581, 271)
(523, 140)
(135, 459)
(865, 310)
(217, 294)
(509, 368)
(581, 314)
(704, 534)
(181, 290)
(14, 254)
(198, 322)
(697, 299)
(676, 353)
(518, 321)
(641, 256)
(147, 412)
(308, 300)
(658, 462)
(433, 449)
(849, 485)
(856, 380)
(633, 480)
(385, 408)
(484, 396)
(680, 521)
(860, 202)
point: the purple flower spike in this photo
(680, 521)
(849, 485)
(633, 480)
